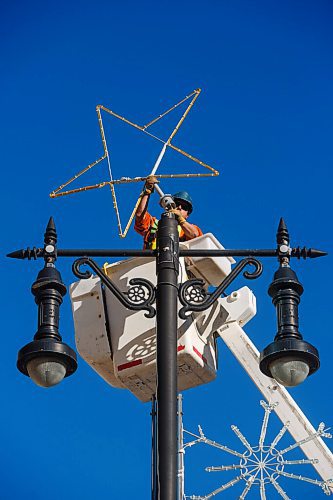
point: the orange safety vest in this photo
(147, 226)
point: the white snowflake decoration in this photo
(263, 464)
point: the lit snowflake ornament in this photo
(261, 465)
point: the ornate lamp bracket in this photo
(139, 296)
(194, 297)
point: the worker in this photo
(146, 224)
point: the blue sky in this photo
(264, 120)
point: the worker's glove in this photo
(179, 217)
(149, 184)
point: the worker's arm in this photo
(191, 231)
(147, 190)
(142, 207)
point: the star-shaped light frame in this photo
(112, 182)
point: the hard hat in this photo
(184, 196)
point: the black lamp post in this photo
(167, 268)
(47, 359)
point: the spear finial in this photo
(282, 235)
(50, 235)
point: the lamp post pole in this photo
(167, 268)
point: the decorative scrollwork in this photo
(136, 294)
(139, 296)
(83, 275)
(195, 293)
(141, 292)
(194, 297)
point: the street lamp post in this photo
(47, 359)
(167, 268)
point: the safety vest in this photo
(150, 242)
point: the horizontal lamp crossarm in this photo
(34, 253)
